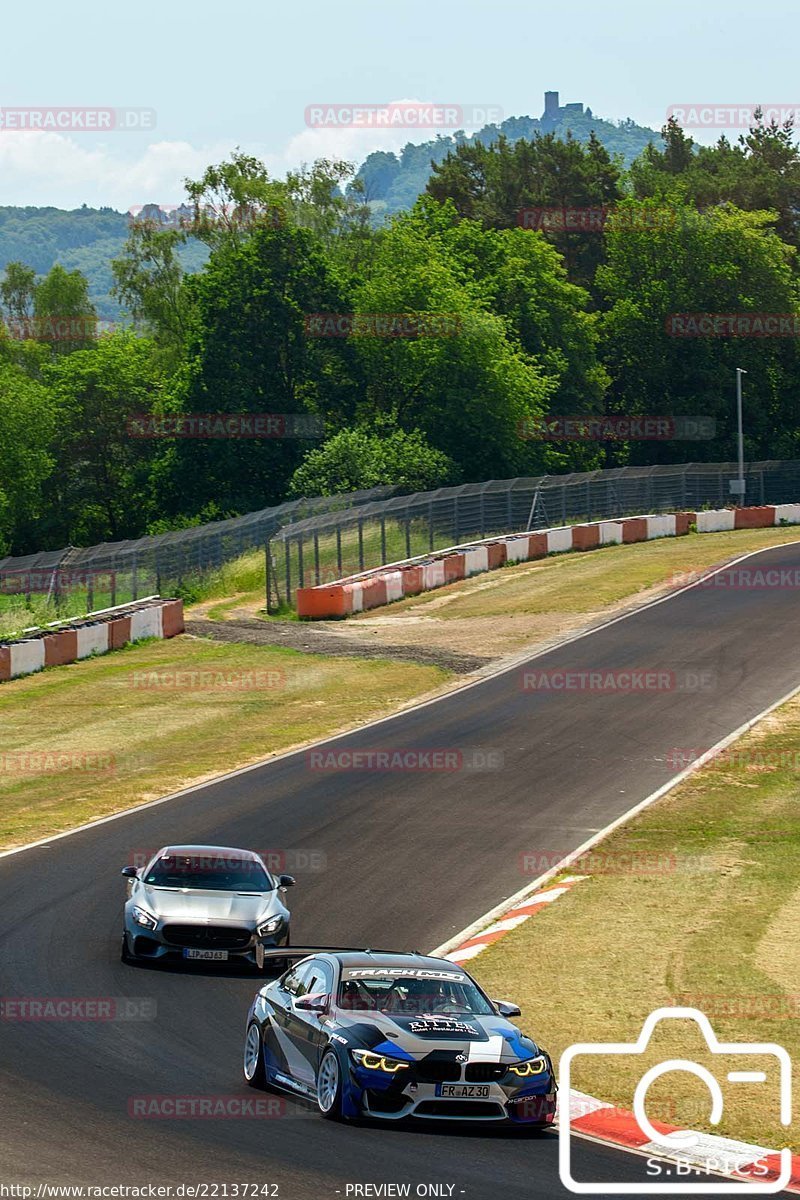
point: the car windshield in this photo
(211, 872)
(440, 994)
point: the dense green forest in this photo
(87, 239)
(535, 279)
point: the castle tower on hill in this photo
(555, 112)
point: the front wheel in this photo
(253, 1063)
(329, 1086)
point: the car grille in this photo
(437, 1070)
(208, 937)
(484, 1072)
(459, 1108)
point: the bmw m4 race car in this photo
(386, 1035)
(212, 903)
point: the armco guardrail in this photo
(413, 576)
(97, 633)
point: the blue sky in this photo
(221, 75)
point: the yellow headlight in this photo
(533, 1066)
(379, 1062)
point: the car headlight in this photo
(378, 1062)
(269, 926)
(530, 1066)
(146, 919)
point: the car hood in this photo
(487, 1037)
(196, 905)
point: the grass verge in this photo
(156, 717)
(695, 902)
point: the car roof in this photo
(380, 958)
(209, 852)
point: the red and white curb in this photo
(589, 1117)
(711, 1153)
(511, 920)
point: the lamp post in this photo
(738, 485)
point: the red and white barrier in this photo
(101, 632)
(416, 575)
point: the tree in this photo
(725, 262)
(149, 282)
(102, 490)
(357, 459)
(16, 290)
(64, 317)
(27, 424)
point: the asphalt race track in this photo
(410, 859)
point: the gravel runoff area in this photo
(310, 640)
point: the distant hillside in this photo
(87, 239)
(392, 182)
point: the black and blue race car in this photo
(387, 1035)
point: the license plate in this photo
(207, 955)
(463, 1091)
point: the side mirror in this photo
(130, 872)
(317, 1002)
(506, 1009)
(285, 881)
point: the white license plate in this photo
(463, 1091)
(208, 955)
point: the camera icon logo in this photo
(679, 1144)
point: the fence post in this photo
(338, 552)
(383, 539)
(455, 519)
(301, 581)
(408, 537)
(267, 607)
(483, 515)
(288, 560)
(90, 591)
(360, 544)
(430, 526)
(509, 513)
(563, 504)
(316, 558)
(135, 578)
(113, 581)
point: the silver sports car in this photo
(212, 903)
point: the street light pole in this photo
(740, 485)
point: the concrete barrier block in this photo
(476, 560)
(433, 574)
(146, 623)
(172, 618)
(92, 639)
(394, 585)
(537, 545)
(716, 520)
(321, 602)
(27, 657)
(790, 513)
(5, 663)
(518, 548)
(413, 580)
(559, 539)
(453, 567)
(610, 533)
(683, 521)
(585, 537)
(497, 555)
(634, 529)
(60, 648)
(661, 526)
(760, 516)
